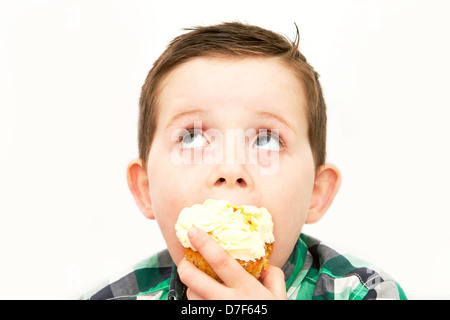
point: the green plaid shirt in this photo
(313, 271)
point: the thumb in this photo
(273, 279)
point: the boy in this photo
(211, 87)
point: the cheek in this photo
(172, 187)
(166, 194)
(291, 194)
(294, 184)
(167, 206)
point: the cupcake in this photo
(245, 232)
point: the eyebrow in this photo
(188, 113)
(265, 114)
(196, 112)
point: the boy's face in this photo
(225, 97)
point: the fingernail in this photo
(192, 232)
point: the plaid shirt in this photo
(313, 271)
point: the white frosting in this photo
(241, 231)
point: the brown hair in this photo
(233, 39)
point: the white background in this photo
(70, 79)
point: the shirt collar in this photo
(295, 262)
(177, 289)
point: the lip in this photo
(235, 201)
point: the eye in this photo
(191, 138)
(268, 140)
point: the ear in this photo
(138, 184)
(326, 186)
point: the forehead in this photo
(250, 84)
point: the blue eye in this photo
(190, 139)
(268, 140)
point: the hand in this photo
(237, 283)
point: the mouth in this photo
(235, 201)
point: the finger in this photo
(273, 279)
(226, 267)
(192, 295)
(200, 285)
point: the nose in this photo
(239, 182)
(231, 176)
